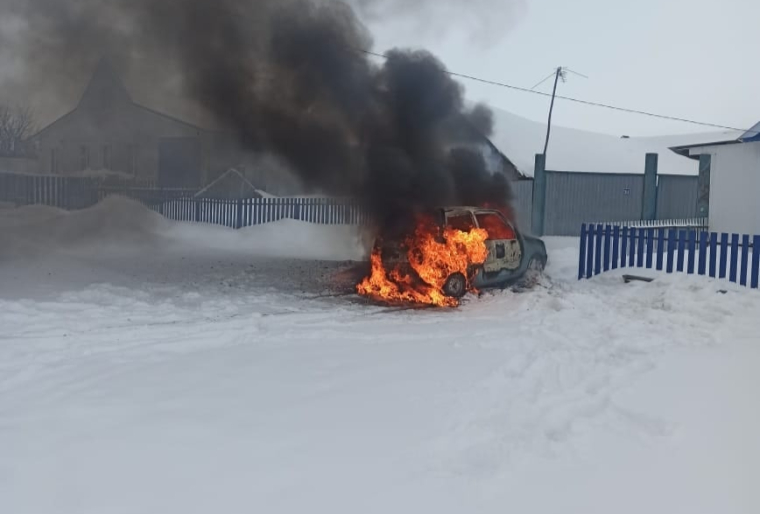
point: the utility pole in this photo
(559, 73)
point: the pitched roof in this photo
(752, 134)
(105, 87)
(734, 138)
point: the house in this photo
(729, 181)
(109, 134)
(108, 131)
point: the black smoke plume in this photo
(289, 78)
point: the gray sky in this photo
(687, 58)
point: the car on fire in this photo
(513, 257)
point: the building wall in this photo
(734, 188)
(573, 198)
(522, 202)
(677, 197)
(124, 138)
(22, 165)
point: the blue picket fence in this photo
(255, 211)
(605, 247)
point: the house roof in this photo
(106, 88)
(735, 138)
(752, 134)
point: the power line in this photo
(571, 99)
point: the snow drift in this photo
(119, 222)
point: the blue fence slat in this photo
(681, 250)
(624, 247)
(713, 253)
(615, 246)
(598, 254)
(692, 248)
(703, 236)
(632, 248)
(660, 248)
(650, 247)
(640, 252)
(723, 255)
(745, 260)
(755, 261)
(582, 252)
(734, 263)
(607, 246)
(671, 250)
(590, 252)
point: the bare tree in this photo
(16, 125)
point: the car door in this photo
(504, 248)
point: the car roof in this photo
(466, 208)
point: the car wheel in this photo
(536, 265)
(455, 286)
(533, 271)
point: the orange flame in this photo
(432, 259)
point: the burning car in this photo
(449, 252)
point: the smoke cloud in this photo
(288, 78)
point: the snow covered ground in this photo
(151, 366)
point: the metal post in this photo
(703, 192)
(649, 201)
(539, 194)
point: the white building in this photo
(730, 180)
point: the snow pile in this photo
(37, 230)
(119, 222)
(286, 238)
(570, 149)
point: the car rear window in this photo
(463, 222)
(495, 227)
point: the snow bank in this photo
(285, 238)
(119, 222)
(38, 230)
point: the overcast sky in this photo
(687, 58)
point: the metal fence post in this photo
(649, 201)
(539, 195)
(703, 185)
